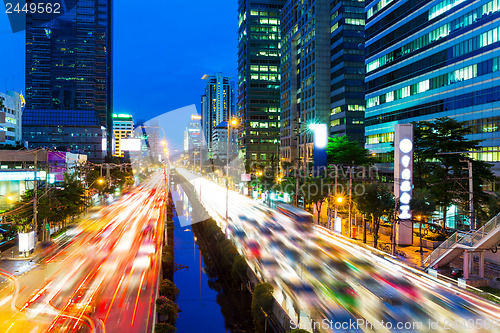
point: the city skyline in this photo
(196, 57)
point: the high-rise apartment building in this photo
(430, 59)
(305, 75)
(258, 98)
(123, 127)
(322, 67)
(347, 96)
(217, 105)
(69, 64)
(192, 140)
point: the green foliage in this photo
(56, 205)
(262, 303)
(164, 328)
(167, 257)
(168, 289)
(228, 251)
(238, 271)
(340, 150)
(422, 203)
(377, 201)
(168, 308)
(446, 176)
(118, 178)
(315, 192)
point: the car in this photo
(339, 292)
(401, 284)
(253, 249)
(275, 226)
(80, 302)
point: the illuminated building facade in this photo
(123, 127)
(217, 105)
(69, 62)
(431, 59)
(322, 67)
(76, 131)
(258, 107)
(11, 109)
(192, 139)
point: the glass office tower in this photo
(258, 95)
(217, 106)
(69, 63)
(322, 72)
(430, 59)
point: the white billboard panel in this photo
(130, 144)
(403, 180)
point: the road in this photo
(100, 277)
(325, 282)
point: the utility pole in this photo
(297, 171)
(46, 235)
(393, 233)
(227, 168)
(471, 197)
(350, 200)
(35, 199)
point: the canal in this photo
(208, 301)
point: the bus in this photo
(302, 219)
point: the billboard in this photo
(403, 181)
(26, 241)
(131, 144)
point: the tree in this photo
(376, 201)
(340, 150)
(422, 203)
(168, 289)
(262, 303)
(441, 173)
(55, 205)
(315, 192)
(168, 308)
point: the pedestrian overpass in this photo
(466, 243)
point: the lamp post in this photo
(338, 200)
(230, 125)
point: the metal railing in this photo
(465, 238)
(485, 230)
(445, 246)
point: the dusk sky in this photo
(161, 51)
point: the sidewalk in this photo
(409, 255)
(13, 253)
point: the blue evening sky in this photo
(161, 51)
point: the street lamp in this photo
(232, 124)
(338, 201)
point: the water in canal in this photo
(204, 296)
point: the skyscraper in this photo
(69, 65)
(347, 97)
(433, 58)
(192, 140)
(217, 105)
(258, 98)
(123, 127)
(322, 67)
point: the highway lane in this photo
(101, 277)
(329, 277)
